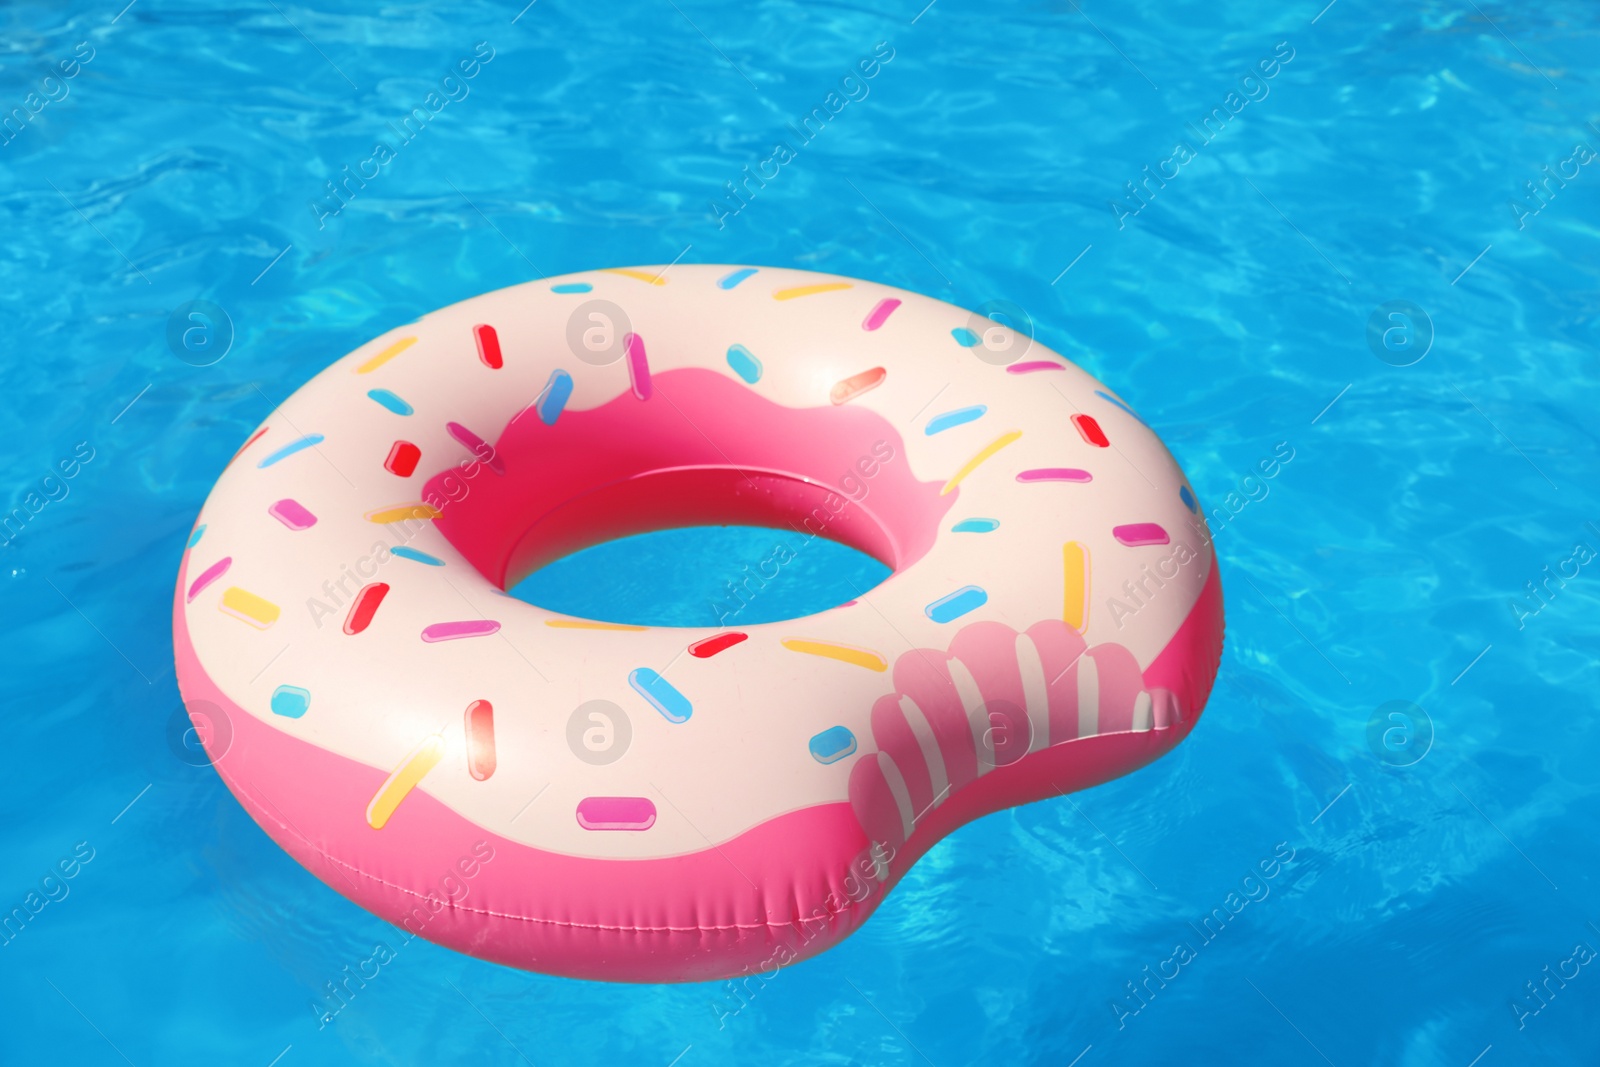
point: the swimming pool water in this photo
(1308, 879)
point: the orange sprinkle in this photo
(857, 384)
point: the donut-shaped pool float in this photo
(632, 803)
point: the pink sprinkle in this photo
(1141, 533)
(1055, 474)
(479, 447)
(451, 631)
(209, 575)
(292, 514)
(616, 813)
(880, 313)
(1037, 364)
(638, 367)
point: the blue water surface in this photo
(1419, 545)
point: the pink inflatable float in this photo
(636, 803)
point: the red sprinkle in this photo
(402, 459)
(857, 384)
(364, 607)
(1091, 430)
(488, 346)
(716, 643)
(480, 739)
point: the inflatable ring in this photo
(596, 799)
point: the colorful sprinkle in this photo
(710, 646)
(652, 279)
(290, 701)
(480, 739)
(489, 347)
(977, 460)
(452, 631)
(1187, 498)
(1035, 365)
(616, 813)
(364, 607)
(958, 417)
(661, 694)
(638, 366)
(728, 281)
(1120, 404)
(975, 526)
(1054, 474)
(194, 538)
(967, 598)
(832, 744)
(586, 624)
(308, 441)
(420, 557)
(571, 287)
(386, 355)
(554, 397)
(857, 384)
(1141, 533)
(1090, 430)
(390, 401)
(808, 290)
(247, 607)
(402, 460)
(1075, 585)
(253, 439)
(401, 512)
(860, 657)
(209, 575)
(477, 445)
(292, 514)
(879, 315)
(744, 364)
(964, 337)
(404, 779)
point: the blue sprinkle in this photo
(968, 598)
(1187, 497)
(291, 448)
(964, 336)
(572, 287)
(833, 745)
(673, 705)
(290, 701)
(744, 364)
(736, 277)
(390, 401)
(954, 418)
(554, 397)
(975, 526)
(421, 557)
(1120, 404)
(194, 538)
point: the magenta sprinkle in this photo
(292, 514)
(209, 575)
(1055, 474)
(638, 367)
(1033, 365)
(452, 631)
(879, 314)
(478, 445)
(1141, 533)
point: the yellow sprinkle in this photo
(402, 512)
(386, 355)
(404, 779)
(861, 657)
(585, 624)
(807, 290)
(1075, 584)
(984, 453)
(248, 607)
(652, 279)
